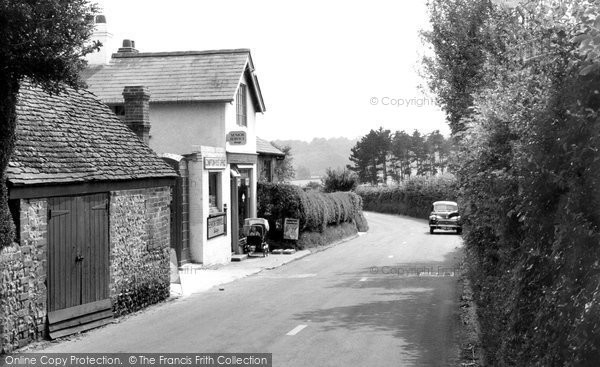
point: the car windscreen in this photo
(445, 208)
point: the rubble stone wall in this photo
(140, 241)
(23, 269)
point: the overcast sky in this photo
(326, 68)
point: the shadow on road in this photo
(420, 311)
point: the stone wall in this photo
(140, 239)
(139, 269)
(22, 287)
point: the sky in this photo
(326, 68)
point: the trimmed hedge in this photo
(315, 210)
(412, 197)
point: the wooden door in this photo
(78, 261)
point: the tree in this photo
(435, 145)
(400, 150)
(370, 156)
(460, 40)
(418, 151)
(284, 169)
(43, 41)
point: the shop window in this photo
(214, 192)
(241, 106)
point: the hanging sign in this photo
(236, 137)
(291, 228)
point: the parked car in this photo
(445, 215)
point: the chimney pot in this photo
(128, 47)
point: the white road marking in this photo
(391, 256)
(363, 279)
(296, 330)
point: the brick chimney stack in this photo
(137, 111)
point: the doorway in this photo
(78, 263)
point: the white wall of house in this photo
(179, 127)
(231, 124)
(250, 129)
(195, 130)
(216, 250)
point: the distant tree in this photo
(302, 172)
(284, 169)
(435, 144)
(418, 151)
(370, 156)
(400, 149)
(43, 41)
(339, 180)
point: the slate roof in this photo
(191, 76)
(73, 138)
(265, 147)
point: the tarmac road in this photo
(386, 298)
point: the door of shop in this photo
(78, 264)
(244, 196)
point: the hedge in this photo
(315, 210)
(412, 197)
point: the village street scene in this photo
(300, 184)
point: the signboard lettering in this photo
(216, 226)
(291, 228)
(215, 162)
(237, 138)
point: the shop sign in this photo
(216, 225)
(291, 228)
(215, 162)
(237, 138)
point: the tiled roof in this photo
(265, 147)
(72, 138)
(192, 76)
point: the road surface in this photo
(386, 298)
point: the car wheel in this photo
(431, 230)
(459, 230)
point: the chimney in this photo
(137, 111)
(101, 34)
(128, 47)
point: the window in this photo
(241, 106)
(214, 196)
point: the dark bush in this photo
(412, 197)
(339, 180)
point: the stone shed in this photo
(91, 205)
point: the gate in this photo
(78, 264)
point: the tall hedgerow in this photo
(411, 197)
(529, 178)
